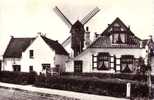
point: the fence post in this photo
(128, 90)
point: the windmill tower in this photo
(77, 29)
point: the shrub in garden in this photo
(92, 85)
(32, 77)
(139, 90)
(17, 77)
(127, 76)
(86, 85)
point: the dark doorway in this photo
(16, 68)
(78, 66)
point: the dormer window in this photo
(118, 34)
(118, 38)
(31, 54)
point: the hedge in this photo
(91, 85)
(152, 79)
(127, 76)
(17, 77)
(139, 90)
(100, 84)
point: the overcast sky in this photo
(24, 18)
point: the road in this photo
(11, 94)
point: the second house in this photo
(34, 54)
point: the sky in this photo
(25, 18)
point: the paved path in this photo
(82, 96)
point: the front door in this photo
(78, 66)
(16, 68)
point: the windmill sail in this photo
(63, 17)
(90, 15)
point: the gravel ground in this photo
(11, 94)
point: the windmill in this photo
(77, 29)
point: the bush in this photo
(93, 85)
(127, 76)
(17, 77)
(85, 85)
(32, 77)
(139, 90)
(152, 79)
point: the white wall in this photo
(86, 57)
(69, 66)
(43, 54)
(60, 60)
(8, 62)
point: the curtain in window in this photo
(127, 63)
(103, 61)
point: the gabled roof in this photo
(104, 40)
(55, 45)
(118, 21)
(16, 46)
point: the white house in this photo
(34, 54)
(117, 49)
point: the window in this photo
(78, 66)
(46, 69)
(45, 66)
(30, 68)
(16, 68)
(31, 54)
(103, 61)
(118, 38)
(127, 63)
(118, 34)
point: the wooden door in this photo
(78, 66)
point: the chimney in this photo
(11, 36)
(150, 42)
(39, 33)
(96, 35)
(150, 37)
(141, 44)
(44, 35)
(128, 28)
(87, 38)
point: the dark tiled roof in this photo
(55, 45)
(104, 42)
(144, 42)
(17, 46)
